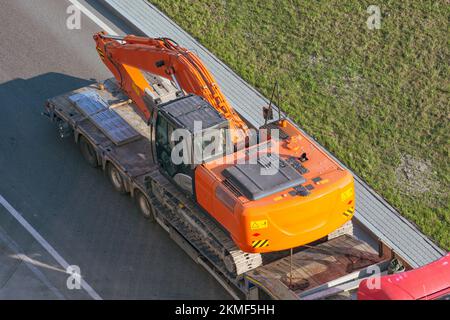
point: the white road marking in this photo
(36, 263)
(30, 265)
(93, 17)
(63, 263)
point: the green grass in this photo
(377, 99)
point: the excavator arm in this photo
(128, 57)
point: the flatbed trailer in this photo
(121, 142)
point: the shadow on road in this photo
(20, 94)
(73, 206)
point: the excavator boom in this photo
(129, 58)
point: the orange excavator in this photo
(306, 197)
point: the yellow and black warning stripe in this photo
(100, 52)
(349, 212)
(260, 243)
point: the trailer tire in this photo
(88, 152)
(116, 178)
(145, 206)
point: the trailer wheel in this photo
(116, 178)
(145, 206)
(88, 152)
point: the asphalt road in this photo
(73, 207)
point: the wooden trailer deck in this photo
(317, 268)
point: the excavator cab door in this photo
(164, 145)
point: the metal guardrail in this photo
(372, 211)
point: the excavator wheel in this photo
(145, 206)
(116, 178)
(88, 152)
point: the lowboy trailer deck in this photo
(112, 135)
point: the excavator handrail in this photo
(169, 41)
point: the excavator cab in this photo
(187, 132)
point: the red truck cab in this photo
(429, 282)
